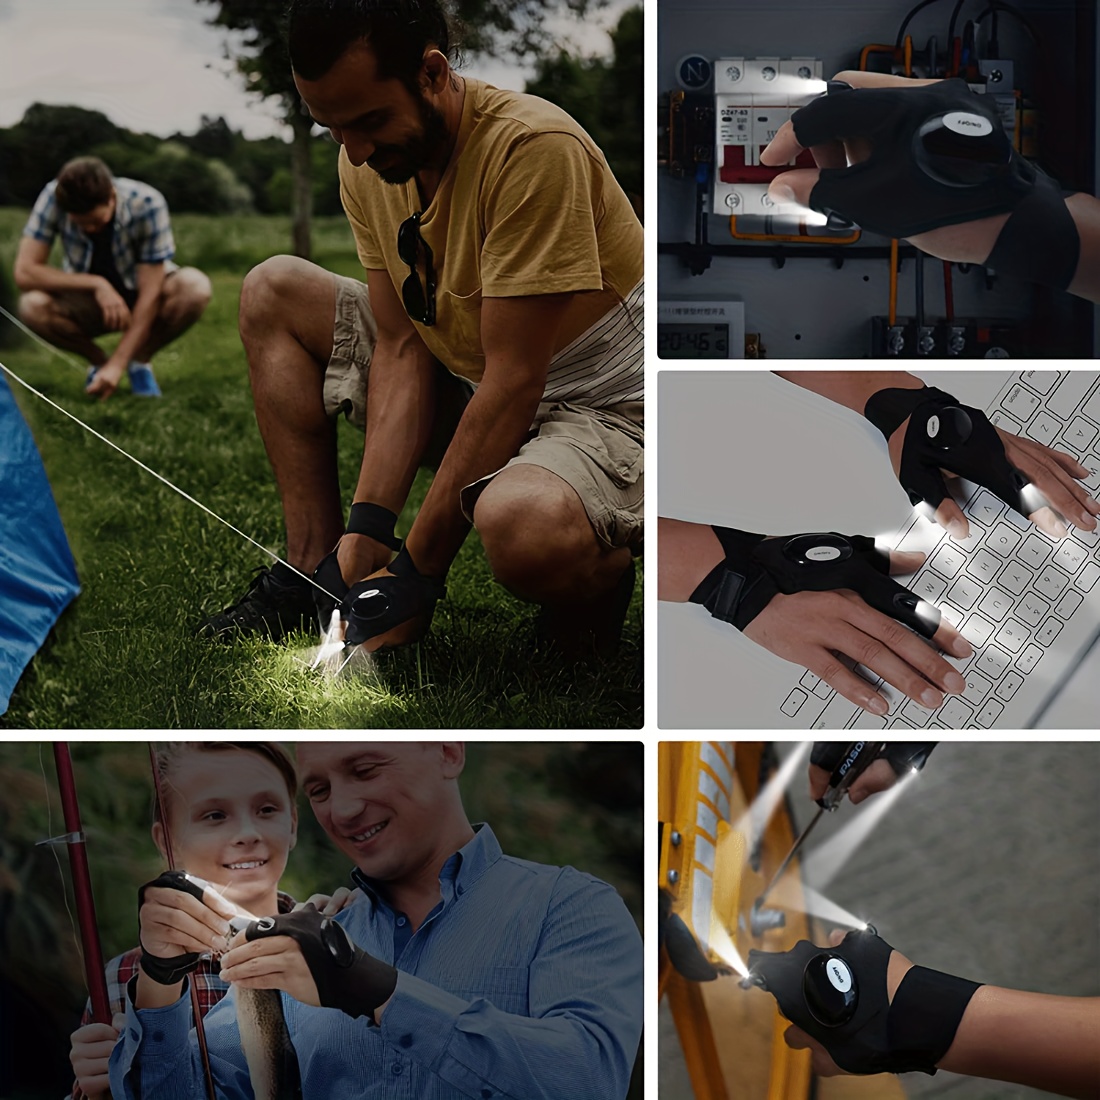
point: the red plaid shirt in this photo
(205, 977)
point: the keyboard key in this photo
(1003, 539)
(1013, 636)
(1021, 523)
(1009, 685)
(985, 507)
(1044, 429)
(1069, 603)
(1088, 577)
(923, 536)
(1031, 609)
(1020, 403)
(1087, 538)
(1029, 658)
(1049, 631)
(898, 724)
(1070, 556)
(974, 536)
(1000, 419)
(1050, 583)
(1092, 482)
(1015, 578)
(869, 721)
(977, 688)
(793, 703)
(947, 560)
(996, 604)
(1079, 435)
(1042, 381)
(816, 685)
(837, 714)
(951, 615)
(984, 565)
(929, 587)
(1091, 408)
(990, 713)
(915, 713)
(1070, 392)
(993, 662)
(955, 714)
(964, 593)
(1034, 551)
(977, 631)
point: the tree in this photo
(264, 63)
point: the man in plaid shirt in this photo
(117, 274)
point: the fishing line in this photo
(175, 488)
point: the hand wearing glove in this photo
(897, 758)
(865, 1003)
(311, 958)
(391, 607)
(931, 433)
(928, 161)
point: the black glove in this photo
(757, 568)
(346, 977)
(371, 520)
(838, 995)
(900, 755)
(945, 434)
(175, 969)
(378, 604)
(939, 156)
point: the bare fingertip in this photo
(876, 704)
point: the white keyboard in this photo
(1027, 604)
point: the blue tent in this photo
(37, 572)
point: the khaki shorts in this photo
(81, 307)
(598, 452)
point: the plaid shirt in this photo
(205, 977)
(142, 234)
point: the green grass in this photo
(152, 565)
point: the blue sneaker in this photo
(90, 376)
(142, 382)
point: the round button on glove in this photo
(346, 977)
(378, 604)
(757, 568)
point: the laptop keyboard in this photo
(1011, 591)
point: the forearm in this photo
(32, 276)
(1085, 211)
(687, 552)
(851, 388)
(492, 429)
(1030, 1039)
(400, 413)
(141, 323)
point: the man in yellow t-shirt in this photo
(498, 338)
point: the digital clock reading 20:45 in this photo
(691, 341)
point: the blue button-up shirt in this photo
(142, 232)
(525, 981)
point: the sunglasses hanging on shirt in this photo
(418, 297)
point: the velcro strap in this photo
(375, 522)
(889, 409)
(925, 1015)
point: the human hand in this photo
(328, 905)
(355, 556)
(312, 959)
(862, 148)
(90, 1055)
(879, 776)
(105, 380)
(180, 916)
(942, 438)
(391, 607)
(817, 629)
(113, 307)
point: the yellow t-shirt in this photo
(526, 206)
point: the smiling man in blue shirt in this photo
(486, 976)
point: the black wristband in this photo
(375, 522)
(925, 1016)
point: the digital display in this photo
(693, 341)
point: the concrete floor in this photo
(988, 867)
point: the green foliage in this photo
(605, 96)
(515, 28)
(152, 566)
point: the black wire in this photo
(1009, 9)
(951, 29)
(906, 21)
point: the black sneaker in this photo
(277, 602)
